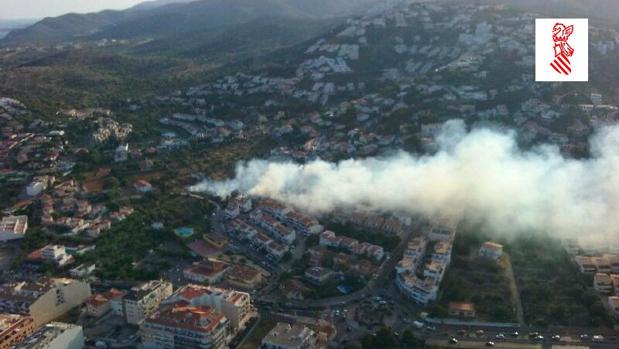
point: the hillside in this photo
(150, 21)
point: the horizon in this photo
(26, 10)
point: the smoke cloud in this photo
(481, 174)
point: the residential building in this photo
(586, 264)
(99, 304)
(56, 254)
(232, 210)
(329, 239)
(235, 305)
(122, 152)
(38, 184)
(603, 283)
(82, 271)
(407, 264)
(180, 325)
(461, 309)
(241, 229)
(206, 271)
(56, 335)
(347, 243)
(613, 306)
(614, 278)
(244, 277)
(602, 264)
(217, 240)
(142, 186)
(302, 223)
(422, 291)
(14, 329)
(276, 250)
(318, 275)
(287, 336)
(435, 269)
(293, 289)
(143, 300)
(43, 300)
(441, 251)
(13, 227)
(491, 250)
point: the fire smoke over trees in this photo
(482, 174)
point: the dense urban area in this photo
(104, 243)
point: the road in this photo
(513, 288)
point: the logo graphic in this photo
(561, 49)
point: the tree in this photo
(383, 339)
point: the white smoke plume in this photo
(481, 174)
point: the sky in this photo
(26, 9)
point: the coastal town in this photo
(104, 244)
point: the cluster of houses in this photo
(199, 316)
(420, 271)
(210, 272)
(604, 266)
(270, 226)
(200, 126)
(110, 129)
(67, 207)
(330, 239)
(195, 315)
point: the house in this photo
(293, 289)
(121, 153)
(603, 283)
(13, 227)
(461, 309)
(234, 305)
(613, 306)
(38, 184)
(232, 210)
(614, 278)
(82, 271)
(329, 239)
(216, 240)
(491, 250)
(207, 271)
(347, 243)
(56, 254)
(318, 275)
(286, 336)
(100, 304)
(244, 277)
(142, 186)
(376, 252)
